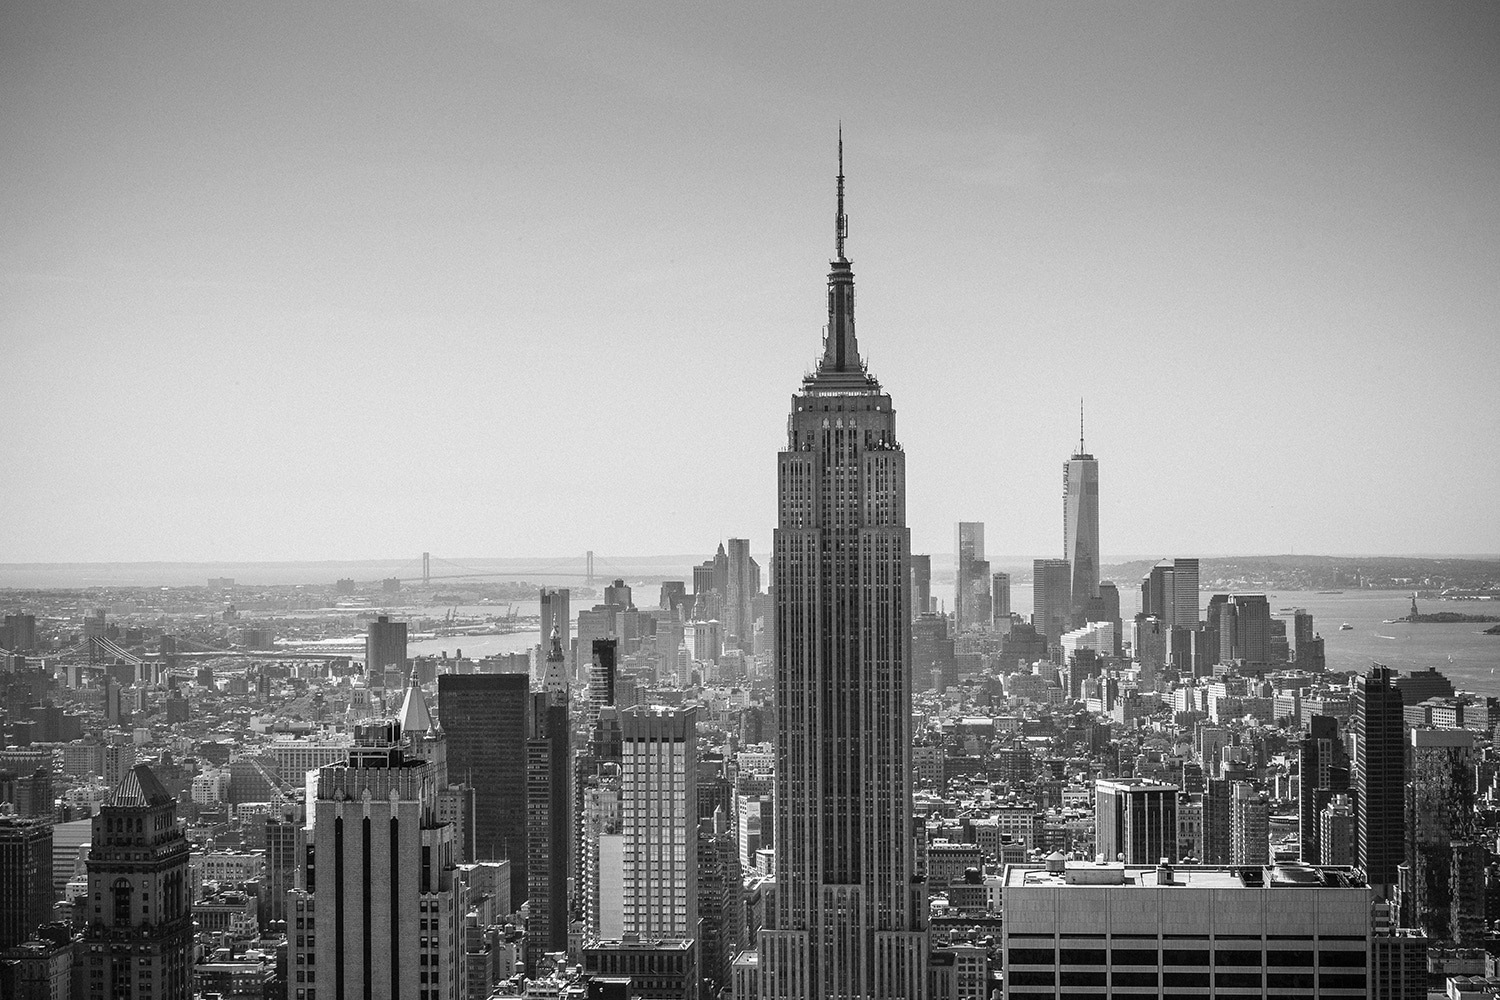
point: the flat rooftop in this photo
(1091, 874)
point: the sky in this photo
(346, 281)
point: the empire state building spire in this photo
(840, 348)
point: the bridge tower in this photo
(426, 568)
(588, 570)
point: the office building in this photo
(1245, 630)
(1170, 593)
(487, 718)
(1441, 813)
(971, 578)
(1323, 774)
(742, 582)
(847, 917)
(1380, 775)
(555, 614)
(1135, 820)
(385, 649)
(1076, 928)
(1051, 597)
(555, 667)
(933, 663)
(385, 902)
(618, 595)
(138, 939)
(25, 877)
(549, 820)
(286, 848)
(1081, 524)
(921, 584)
(1000, 601)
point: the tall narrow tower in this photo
(1081, 522)
(848, 919)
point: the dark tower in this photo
(1381, 775)
(487, 718)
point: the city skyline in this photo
(286, 307)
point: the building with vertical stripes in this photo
(848, 918)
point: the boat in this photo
(1346, 627)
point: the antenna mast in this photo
(840, 220)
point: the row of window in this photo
(1187, 956)
(1219, 980)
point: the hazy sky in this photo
(358, 280)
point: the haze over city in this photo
(298, 282)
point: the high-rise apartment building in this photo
(971, 577)
(1249, 825)
(138, 938)
(848, 918)
(1380, 774)
(1051, 597)
(385, 908)
(659, 821)
(25, 877)
(385, 649)
(487, 718)
(1081, 523)
(1135, 821)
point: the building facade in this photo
(848, 919)
(138, 941)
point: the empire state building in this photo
(848, 918)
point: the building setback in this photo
(848, 916)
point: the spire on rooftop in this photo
(414, 717)
(840, 348)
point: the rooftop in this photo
(1087, 873)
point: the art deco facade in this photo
(138, 942)
(847, 919)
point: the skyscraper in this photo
(1081, 523)
(921, 584)
(555, 614)
(848, 919)
(386, 903)
(971, 578)
(385, 648)
(139, 937)
(1000, 601)
(659, 821)
(1135, 820)
(25, 877)
(549, 820)
(1051, 597)
(1442, 814)
(1380, 778)
(487, 718)
(1323, 773)
(742, 581)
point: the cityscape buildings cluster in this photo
(822, 784)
